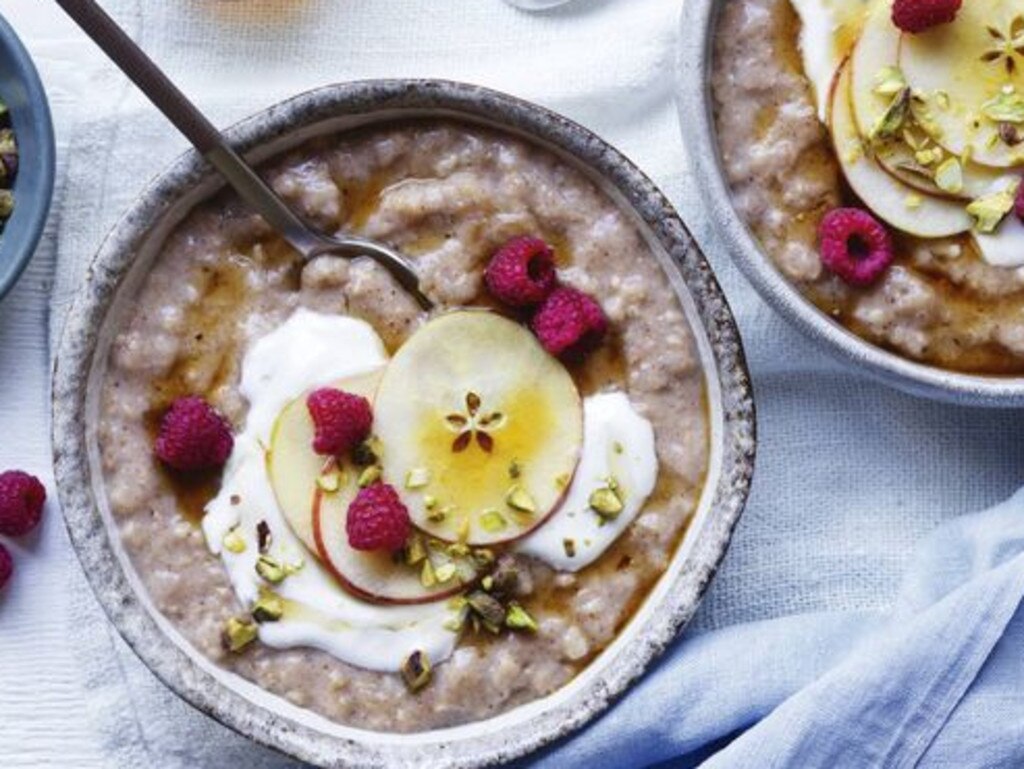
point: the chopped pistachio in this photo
(519, 619)
(329, 481)
(990, 210)
(519, 499)
(369, 476)
(487, 583)
(483, 557)
(270, 569)
(928, 156)
(464, 527)
(457, 602)
(294, 567)
(456, 623)
(429, 501)
(913, 201)
(237, 634)
(606, 502)
(569, 545)
(268, 607)
(416, 670)
(446, 572)
(415, 551)
(949, 176)
(427, 576)
(6, 203)
(1004, 107)
(438, 515)
(895, 115)
(488, 608)
(417, 478)
(889, 81)
(234, 542)
(493, 521)
(457, 549)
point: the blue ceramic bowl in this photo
(22, 91)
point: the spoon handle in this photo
(166, 96)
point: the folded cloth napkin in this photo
(936, 682)
(814, 541)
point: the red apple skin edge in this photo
(357, 591)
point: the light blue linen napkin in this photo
(936, 682)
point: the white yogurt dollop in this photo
(618, 443)
(309, 350)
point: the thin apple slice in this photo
(958, 69)
(294, 468)
(898, 160)
(1004, 247)
(901, 206)
(382, 577)
(480, 428)
(877, 47)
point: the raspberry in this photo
(342, 420)
(6, 566)
(21, 502)
(919, 15)
(569, 324)
(193, 436)
(855, 245)
(377, 519)
(522, 272)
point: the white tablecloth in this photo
(850, 475)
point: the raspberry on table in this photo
(193, 436)
(855, 246)
(919, 15)
(569, 324)
(6, 566)
(342, 420)
(21, 502)
(377, 519)
(522, 272)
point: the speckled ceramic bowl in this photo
(697, 31)
(123, 261)
(23, 93)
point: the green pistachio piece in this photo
(369, 476)
(519, 499)
(889, 81)
(519, 619)
(990, 210)
(8, 146)
(606, 502)
(270, 569)
(6, 203)
(895, 115)
(268, 608)
(493, 521)
(330, 481)
(1004, 107)
(234, 542)
(427, 576)
(417, 478)
(485, 606)
(446, 572)
(949, 176)
(416, 670)
(237, 634)
(415, 551)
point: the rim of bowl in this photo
(479, 743)
(694, 101)
(33, 126)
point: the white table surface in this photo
(850, 475)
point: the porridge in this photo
(8, 165)
(424, 519)
(878, 166)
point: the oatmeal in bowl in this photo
(384, 525)
(871, 148)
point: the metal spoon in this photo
(309, 242)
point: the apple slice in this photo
(889, 199)
(481, 428)
(897, 159)
(294, 468)
(1004, 247)
(958, 69)
(877, 47)
(381, 577)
